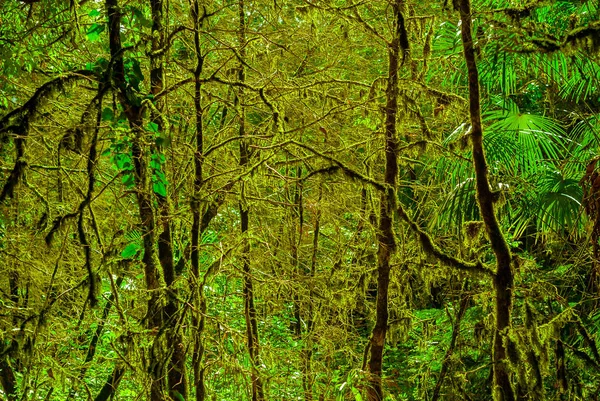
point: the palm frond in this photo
(559, 203)
(585, 139)
(537, 138)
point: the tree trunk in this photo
(249, 308)
(8, 379)
(308, 377)
(111, 385)
(133, 112)
(503, 278)
(198, 319)
(385, 234)
(295, 243)
(176, 367)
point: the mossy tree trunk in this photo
(134, 114)
(503, 277)
(248, 290)
(176, 366)
(198, 319)
(385, 234)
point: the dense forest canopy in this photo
(299, 200)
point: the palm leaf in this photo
(585, 139)
(559, 203)
(536, 137)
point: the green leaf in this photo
(161, 177)
(152, 127)
(178, 395)
(356, 393)
(130, 251)
(160, 141)
(94, 13)
(133, 73)
(93, 33)
(97, 66)
(128, 180)
(108, 114)
(533, 138)
(123, 162)
(159, 188)
(139, 17)
(209, 237)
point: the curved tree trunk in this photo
(385, 235)
(503, 278)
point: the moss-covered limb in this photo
(40, 197)
(91, 164)
(584, 357)
(424, 143)
(18, 120)
(397, 49)
(341, 166)
(414, 108)
(368, 27)
(442, 97)
(177, 380)
(401, 33)
(15, 175)
(21, 116)
(274, 110)
(533, 41)
(168, 42)
(250, 312)
(432, 249)
(92, 347)
(95, 104)
(351, 173)
(148, 227)
(426, 241)
(561, 367)
(550, 45)
(232, 139)
(588, 339)
(57, 224)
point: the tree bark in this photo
(198, 319)
(248, 291)
(112, 382)
(8, 379)
(176, 367)
(133, 112)
(308, 377)
(385, 234)
(503, 278)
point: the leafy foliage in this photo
(216, 171)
